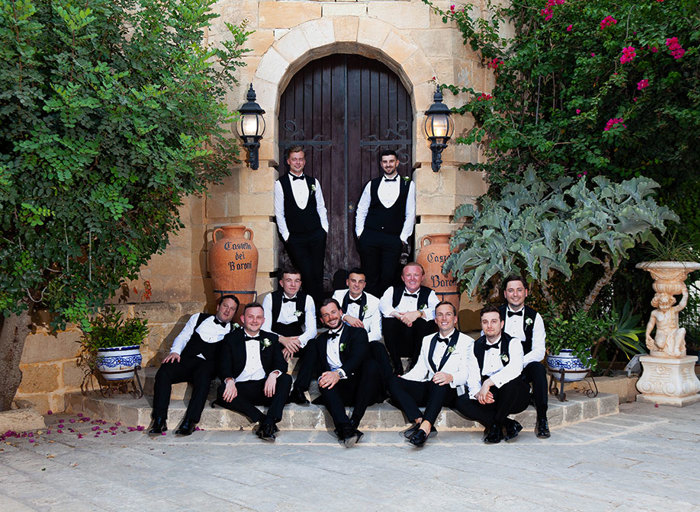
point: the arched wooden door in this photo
(344, 109)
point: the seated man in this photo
(407, 313)
(192, 359)
(446, 363)
(254, 371)
(361, 309)
(503, 391)
(526, 324)
(348, 375)
(291, 314)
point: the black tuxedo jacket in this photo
(354, 349)
(233, 355)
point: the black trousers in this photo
(252, 393)
(381, 356)
(511, 398)
(409, 395)
(360, 390)
(536, 374)
(194, 370)
(379, 256)
(307, 252)
(306, 365)
(404, 341)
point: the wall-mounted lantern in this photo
(251, 127)
(439, 127)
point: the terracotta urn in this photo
(434, 251)
(233, 263)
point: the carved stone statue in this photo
(669, 339)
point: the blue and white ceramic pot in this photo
(118, 363)
(566, 360)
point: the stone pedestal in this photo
(669, 381)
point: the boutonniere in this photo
(236, 326)
(528, 321)
(406, 178)
(342, 347)
(424, 307)
(451, 349)
(505, 358)
(297, 314)
(313, 187)
(265, 343)
(365, 308)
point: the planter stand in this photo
(108, 388)
(559, 375)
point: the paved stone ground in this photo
(643, 459)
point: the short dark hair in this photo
(328, 301)
(489, 308)
(294, 149)
(514, 277)
(229, 296)
(251, 305)
(413, 264)
(446, 303)
(387, 152)
(356, 270)
(286, 270)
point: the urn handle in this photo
(249, 231)
(425, 239)
(213, 235)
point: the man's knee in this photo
(284, 382)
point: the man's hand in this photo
(484, 396)
(328, 379)
(271, 384)
(442, 378)
(409, 317)
(354, 322)
(173, 357)
(230, 392)
(291, 345)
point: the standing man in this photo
(291, 314)
(503, 391)
(302, 221)
(446, 363)
(526, 324)
(192, 358)
(253, 372)
(348, 374)
(407, 313)
(386, 214)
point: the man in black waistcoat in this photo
(192, 358)
(302, 221)
(526, 324)
(253, 372)
(386, 214)
(407, 316)
(503, 391)
(348, 373)
(291, 314)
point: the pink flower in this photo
(548, 11)
(452, 8)
(613, 122)
(675, 48)
(592, 54)
(642, 84)
(654, 49)
(495, 63)
(484, 97)
(578, 110)
(607, 21)
(49, 412)
(569, 28)
(628, 54)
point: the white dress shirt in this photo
(515, 326)
(462, 364)
(287, 316)
(253, 369)
(207, 330)
(406, 304)
(333, 350)
(502, 372)
(300, 190)
(388, 192)
(372, 319)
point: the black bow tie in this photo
(356, 301)
(395, 178)
(515, 313)
(414, 295)
(294, 178)
(219, 322)
(333, 335)
(495, 345)
(443, 340)
(285, 300)
(256, 338)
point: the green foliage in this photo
(564, 101)
(579, 333)
(689, 318)
(624, 331)
(108, 329)
(548, 231)
(110, 113)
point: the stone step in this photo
(131, 411)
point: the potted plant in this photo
(567, 237)
(111, 344)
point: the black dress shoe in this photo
(159, 426)
(494, 434)
(513, 428)
(186, 427)
(418, 438)
(298, 397)
(410, 430)
(352, 438)
(266, 432)
(542, 429)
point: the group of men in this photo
(357, 359)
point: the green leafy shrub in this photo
(109, 329)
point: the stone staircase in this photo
(131, 411)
